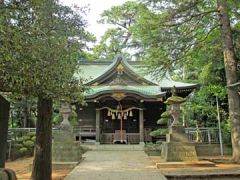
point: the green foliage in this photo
(118, 39)
(170, 31)
(33, 138)
(202, 106)
(23, 150)
(25, 138)
(31, 134)
(165, 117)
(25, 144)
(57, 119)
(166, 114)
(152, 147)
(45, 41)
(159, 132)
(28, 144)
(20, 139)
(23, 111)
(73, 118)
(226, 132)
(19, 146)
(163, 121)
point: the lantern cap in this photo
(175, 100)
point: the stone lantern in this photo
(175, 102)
(64, 147)
(65, 112)
(177, 147)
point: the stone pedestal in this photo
(178, 151)
(177, 148)
(64, 148)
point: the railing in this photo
(203, 135)
(15, 133)
(84, 129)
(131, 138)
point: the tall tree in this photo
(172, 30)
(4, 116)
(230, 63)
(41, 42)
(118, 38)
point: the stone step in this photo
(115, 147)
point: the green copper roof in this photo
(95, 69)
(96, 72)
(90, 72)
(144, 91)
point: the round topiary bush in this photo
(31, 134)
(18, 146)
(25, 144)
(23, 150)
(28, 144)
(25, 138)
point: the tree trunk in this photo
(4, 117)
(27, 119)
(230, 63)
(42, 163)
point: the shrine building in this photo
(123, 103)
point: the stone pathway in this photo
(115, 165)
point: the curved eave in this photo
(127, 92)
(112, 68)
(182, 88)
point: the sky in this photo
(96, 8)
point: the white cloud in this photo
(96, 8)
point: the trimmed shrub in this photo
(25, 144)
(23, 150)
(28, 144)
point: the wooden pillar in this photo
(141, 126)
(97, 126)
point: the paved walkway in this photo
(115, 165)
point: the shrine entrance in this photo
(119, 123)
